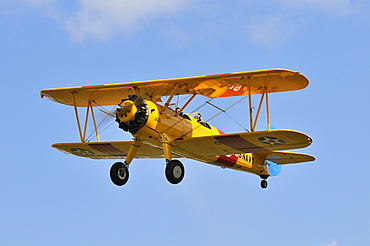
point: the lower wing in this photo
(246, 142)
(109, 150)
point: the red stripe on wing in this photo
(239, 143)
(108, 149)
(217, 74)
(86, 86)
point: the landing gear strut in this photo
(175, 171)
(119, 173)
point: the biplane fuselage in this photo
(161, 132)
(174, 127)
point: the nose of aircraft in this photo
(126, 111)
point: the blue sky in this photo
(49, 198)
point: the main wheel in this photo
(263, 183)
(175, 171)
(119, 174)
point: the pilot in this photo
(198, 117)
(177, 111)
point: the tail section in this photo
(274, 169)
(275, 160)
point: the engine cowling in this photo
(132, 114)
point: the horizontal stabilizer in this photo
(282, 158)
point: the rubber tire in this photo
(264, 184)
(117, 178)
(175, 172)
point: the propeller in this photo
(126, 111)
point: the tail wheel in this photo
(175, 172)
(119, 174)
(263, 183)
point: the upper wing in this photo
(109, 150)
(221, 85)
(247, 142)
(282, 158)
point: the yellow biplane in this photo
(160, 131)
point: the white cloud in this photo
(332, 243)
(16, 7)
(102, 19)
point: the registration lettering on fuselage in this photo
(246, 157)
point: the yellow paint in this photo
(223, 85)
(251, 162)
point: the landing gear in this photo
(119, 173)
(174, 171)
(263, 183)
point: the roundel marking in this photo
(83, 152)
(271, 140)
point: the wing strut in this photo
(86, 119)
(250, 105)
(258, 111)
(187, 103)
(89, 108)
(264, 98)
(94, 121)
(77, 118)
(170, 97)
(268, 111)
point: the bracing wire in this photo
(225, 111)
(107, 114)
(102, 129)
(227, 108)
(110, 113)
(201, 106)
(237, 122)
(222, 111)
(185, 98)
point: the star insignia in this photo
(83, 152)
(271, 140)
